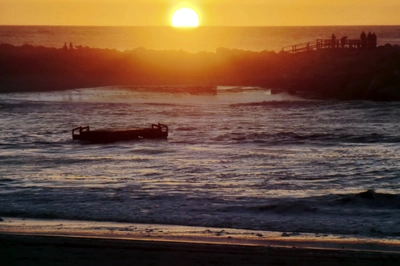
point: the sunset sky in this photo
(212, 12)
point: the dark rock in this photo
(369, 194)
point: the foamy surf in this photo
(193, 234)
(179, 95)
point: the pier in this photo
(320, 44)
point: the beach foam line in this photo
(193, 235)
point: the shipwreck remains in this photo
(84, 134)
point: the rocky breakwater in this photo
(344, 74)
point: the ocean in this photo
(191, 40)
(241, 158)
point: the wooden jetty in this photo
(156, 131)
(324, 44)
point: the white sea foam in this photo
(129, 95)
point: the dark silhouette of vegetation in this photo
(323, 74)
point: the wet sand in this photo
(55, 242)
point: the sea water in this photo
(240, 158)
(191, 40)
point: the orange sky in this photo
(212, 12)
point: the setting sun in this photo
(185, 17)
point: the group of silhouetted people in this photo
(366, 41)
(71, 47)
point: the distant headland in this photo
(342, 73)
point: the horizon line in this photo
(200, 26)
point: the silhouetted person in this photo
(71, 47)
(363, 38)
(369, 40)
(65, 46)
(333, 40)
(343, 41)
(374, 40)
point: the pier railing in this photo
(323, 44)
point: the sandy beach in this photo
(59, 242)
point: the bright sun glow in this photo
(185, 17)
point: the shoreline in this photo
(193, 234)
(45, 242)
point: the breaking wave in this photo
(299, 138)
(157, 95)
